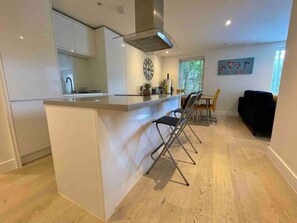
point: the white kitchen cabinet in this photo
(109, 66)
(84, 39)
(63, 28)
(29, 58)
(30, 126)
(73, 37)
(28, 50)
(115, 55)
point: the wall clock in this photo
(148, 69)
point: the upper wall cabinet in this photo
(84, 39)
(73, 37)
(63, 32)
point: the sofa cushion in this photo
(262, 97)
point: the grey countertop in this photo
(112, 102)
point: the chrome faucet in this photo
(71, 84)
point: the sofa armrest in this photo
(241, 104)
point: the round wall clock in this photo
(148, 69)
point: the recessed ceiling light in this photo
(228, 23)
(167, 51)
(21, 37)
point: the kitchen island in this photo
(101, 145)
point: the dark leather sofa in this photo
(257, 109)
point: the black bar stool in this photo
(177, 126)
(180, 110)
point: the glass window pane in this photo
(191, 75)
(277, 69)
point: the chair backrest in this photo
(189, 108)
(192, 102)
(187, 99)
(215, 99)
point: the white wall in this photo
(232, 86)
(283, 142)
(7, 161)
(134, 69)
(171, 65)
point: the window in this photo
(277, 69)
(191, 74)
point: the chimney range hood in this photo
(149, 35)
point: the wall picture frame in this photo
(236, 66)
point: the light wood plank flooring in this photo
(233, 181)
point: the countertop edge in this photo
(117, 107)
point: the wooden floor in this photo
(233, 181)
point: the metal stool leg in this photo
(152, 153)
(163, 150)
(166, 149)
(195, 134)
(189, 141)
(188, 137)
(192, 116)
(187, 183)
(176, 136)
(155, 161)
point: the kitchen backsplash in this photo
(78, 69)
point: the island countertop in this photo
(113, 102)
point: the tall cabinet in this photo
(30, 70)
(109, 65)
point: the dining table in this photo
(205, 97)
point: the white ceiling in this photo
(195, 25)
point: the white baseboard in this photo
(7, 166)
(36, 155)
(226, 113)
(283, 168)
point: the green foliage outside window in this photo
(191, 75)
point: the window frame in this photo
(202, 58)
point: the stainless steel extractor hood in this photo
(149, 35)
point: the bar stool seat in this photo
(171, 121)
(178, 110)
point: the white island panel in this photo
(99, 155)
(73, 135)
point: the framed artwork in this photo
(236, 66)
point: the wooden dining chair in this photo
(212, 106)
